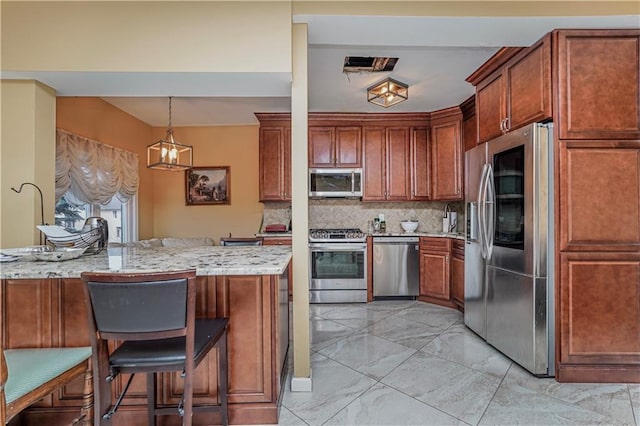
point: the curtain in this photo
(88, 171)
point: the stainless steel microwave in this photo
(335, 183)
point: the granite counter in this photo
(206, 260)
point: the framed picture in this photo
(207, 185)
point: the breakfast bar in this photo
(42, 306)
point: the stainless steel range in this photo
(338, 265)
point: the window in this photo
(120, 217)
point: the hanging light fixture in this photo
(167, 154)
(388, 92)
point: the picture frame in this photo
(207, 185)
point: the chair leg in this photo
(151, 399)
(222, 378)
(187, 397)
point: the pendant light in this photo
(167, 154)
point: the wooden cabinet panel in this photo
(26, 314)
(600, 308)
(600, 195)
(420, 170)
(374, 164)
(398, 183)
(321, 147)
(446, 158)
(490, 107)
(348, 147)
(529, 85)
(598, 84)
(434, 274)
(339, 146)
(248, 300)
(275, 163)
(470, 133)
(457, 273)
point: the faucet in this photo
(447, 210)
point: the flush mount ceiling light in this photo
(388, 92)
(167, 154)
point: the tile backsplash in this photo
(344, 213)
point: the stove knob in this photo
(325, 235)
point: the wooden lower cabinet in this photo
(435, 264)
(599, 317)
(51, 313)
(457, 273)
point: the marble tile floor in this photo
(412, 363)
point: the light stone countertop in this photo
(206, 260)
(456, 236)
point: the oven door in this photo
(338, 266)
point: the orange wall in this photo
(96, 119)
(233, 146)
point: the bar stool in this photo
(152, 316)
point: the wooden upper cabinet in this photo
(491, 107)
(528, 78)
(386, 169)
(348, 147)
(420, 169)
(335, 146)
(398, 183)
(321, 146)
(374, 169)
(598, 84)
(469, 123)
(517, 93)
(275, 163)
(446, 155)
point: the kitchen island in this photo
(43, 306)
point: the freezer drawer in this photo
(517, 318)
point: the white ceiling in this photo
(435, 54)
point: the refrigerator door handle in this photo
(482, 211)
(491, 203)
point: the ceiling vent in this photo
(368, 64)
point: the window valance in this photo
(88, 171)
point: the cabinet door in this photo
(598, 90)
(272, 163)
(599, 309)
(420, 164)
(398, 179)
(470, 133)
(434, 274)
(490, 107)
(529, 85)
(446, 160)
(321, 147)
(599, 186)
(348, 147)
(374, 164)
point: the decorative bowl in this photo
(60, 254)
(409, 225)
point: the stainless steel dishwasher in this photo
(396, 269)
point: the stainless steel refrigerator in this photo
(509, 297)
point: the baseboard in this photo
(302, 384)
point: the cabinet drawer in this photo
(457, 248)
(276, 241)
(435, 244)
